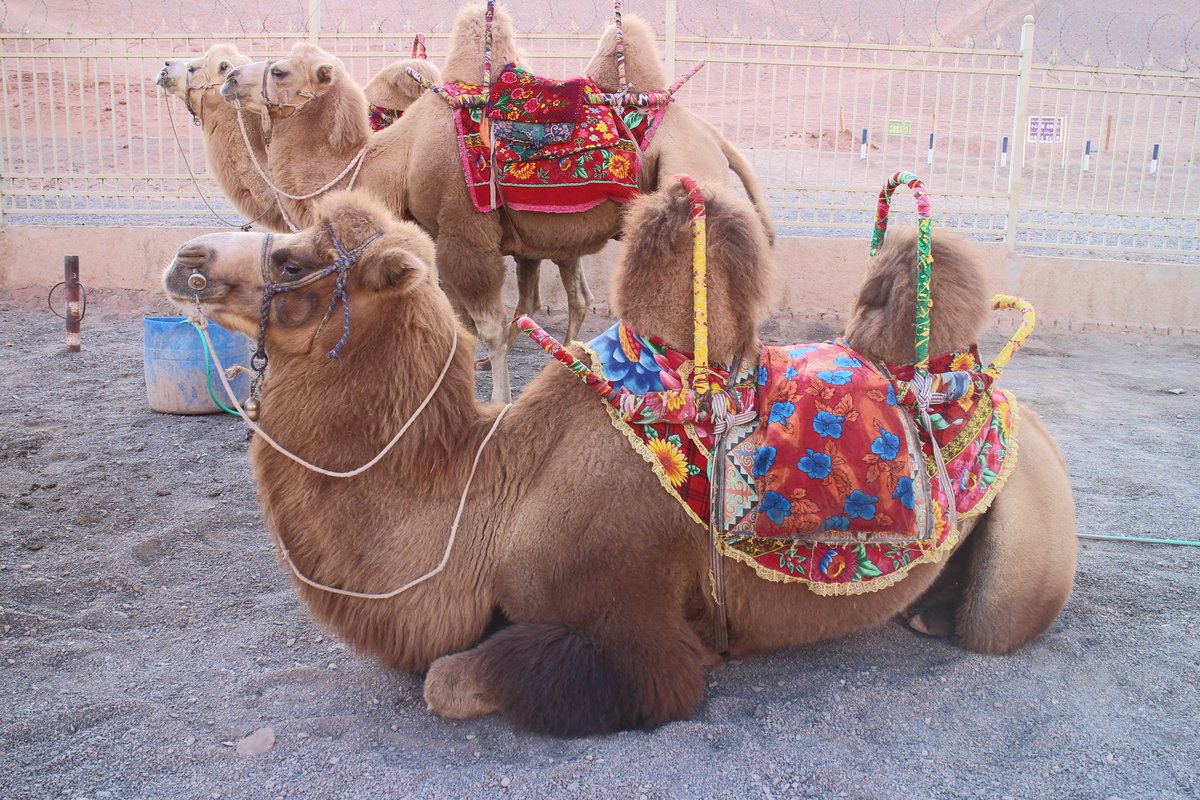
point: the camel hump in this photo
(464, 59)
(393, 88)
(652, 286)
(881, 322)
(643, 64)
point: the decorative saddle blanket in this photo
(547, 148)
(834, 485)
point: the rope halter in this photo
(342, 263)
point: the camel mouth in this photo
(230, 90)
(164, 79)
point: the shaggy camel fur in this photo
(197, 82)
(591, 582)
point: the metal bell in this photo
(252, 408)
(196, 282)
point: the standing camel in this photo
(552, 532)
(415, 168)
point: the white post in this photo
(1087, 155)
(1020, 132)
(672, 20)
(314, 20)
(862, 150)
(1154, 161)
(1004, 153)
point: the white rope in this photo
(202, 323)
(462, 502)
(355, 163)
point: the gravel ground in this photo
(146, 628)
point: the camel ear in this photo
(223, 68)
(395, 267)
(325, 73)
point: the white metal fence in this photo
(1051, 157)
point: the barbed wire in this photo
(1070, 32)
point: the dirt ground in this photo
(145, 626)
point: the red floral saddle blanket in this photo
(538, 145)
(836, 485)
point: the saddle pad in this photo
(977, 437)
(548, 148)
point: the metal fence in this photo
(1065, 158)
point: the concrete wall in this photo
(816, 277)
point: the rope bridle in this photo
(340, 267)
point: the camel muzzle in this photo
(229, 89)
(185, 279)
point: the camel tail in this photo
(741, 167)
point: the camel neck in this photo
(347, 408)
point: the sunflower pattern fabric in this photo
(677, 453)
(548, 149)
(830, 489)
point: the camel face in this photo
(226, 272)
(173, 77)
(287, 83)
(180, 76)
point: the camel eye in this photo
(278, 74)
(191, 70)
(291, 270)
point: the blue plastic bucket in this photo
(176, 379)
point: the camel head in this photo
(392, 88)
(643, 65)
(286, 84)
(189, 78)
(881, 324)
(464, 59)
(652, 285)
(225, 273)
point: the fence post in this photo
(1020, 121)
(672, 19)
(314, 21)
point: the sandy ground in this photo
(145, 626)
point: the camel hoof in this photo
(450, 691)
(936, 621)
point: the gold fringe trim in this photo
(1006, 469)
(935, 556)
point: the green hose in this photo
(1138, 539)
(208, 374)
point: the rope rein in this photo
(192, 175)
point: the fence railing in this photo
(1053, 158)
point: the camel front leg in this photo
(579, 294)
(529, 298)
(491, 327)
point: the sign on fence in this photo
(1046, 129)
(899, 127)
